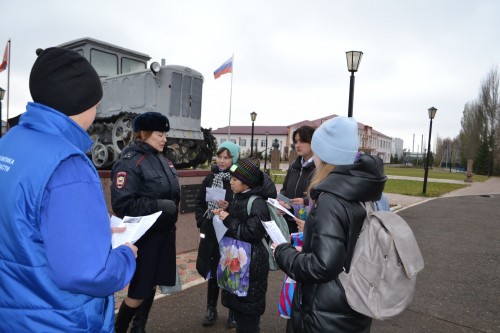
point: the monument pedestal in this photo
(187, 234)
(469, 174)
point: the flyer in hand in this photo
(135, 228)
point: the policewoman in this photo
(145, 182)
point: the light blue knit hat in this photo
(234, 150)
(336, 141)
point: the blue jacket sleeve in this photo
(77, 236)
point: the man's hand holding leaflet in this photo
(135, 228)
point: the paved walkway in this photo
(458, 290)
(187, 261)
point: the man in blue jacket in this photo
(58, 272)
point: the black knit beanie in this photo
(65, 81)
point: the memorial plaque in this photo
(189, 193)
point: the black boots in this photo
(142, 314)
(231, 322)
(210, 315)
(123, 318)
(212, 297)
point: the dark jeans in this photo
(247, 324)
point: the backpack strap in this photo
(250, 203)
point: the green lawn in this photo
(433, 173)
(414, 187)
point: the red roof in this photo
(282, 130)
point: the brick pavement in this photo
(188, 276)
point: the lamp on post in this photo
(265, 155)
(253, 115)
(353, 60)
(490, 164)
(432, 114)
(2, 94)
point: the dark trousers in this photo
(246, 323)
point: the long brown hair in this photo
(321, 172)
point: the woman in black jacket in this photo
(145, 182)
(299, 173)
(247, 180)
(208, 250)
(332, 228)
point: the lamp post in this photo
(2, 94)
(353, 60)
(432, 114)
(490, 164)
(265, 155)
(253, 115)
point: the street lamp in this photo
(2, 94)
(253, 115)
(490, 164)
(432, 114)
(265, 155)
(353, 60)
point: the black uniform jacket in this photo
(330, 233)
(249, 228)
(144, 182)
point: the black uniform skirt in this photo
(155, 263)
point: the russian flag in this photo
(3, 65)
(226, 67)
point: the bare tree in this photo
(480, 126)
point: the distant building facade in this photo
(371, 141)
(242, 136)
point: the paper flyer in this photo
(135, 228)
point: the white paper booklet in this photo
(135, 228)
(276, 204)
(215, 194)
(220, 228)
(274, 232)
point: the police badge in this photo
(121, 179)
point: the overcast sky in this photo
(289, 55)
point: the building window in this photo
(243, 142)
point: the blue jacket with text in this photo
(58, 272)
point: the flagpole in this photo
(230, 99)
(8, 80)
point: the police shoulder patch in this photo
(121, 179)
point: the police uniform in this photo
(145, 182)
